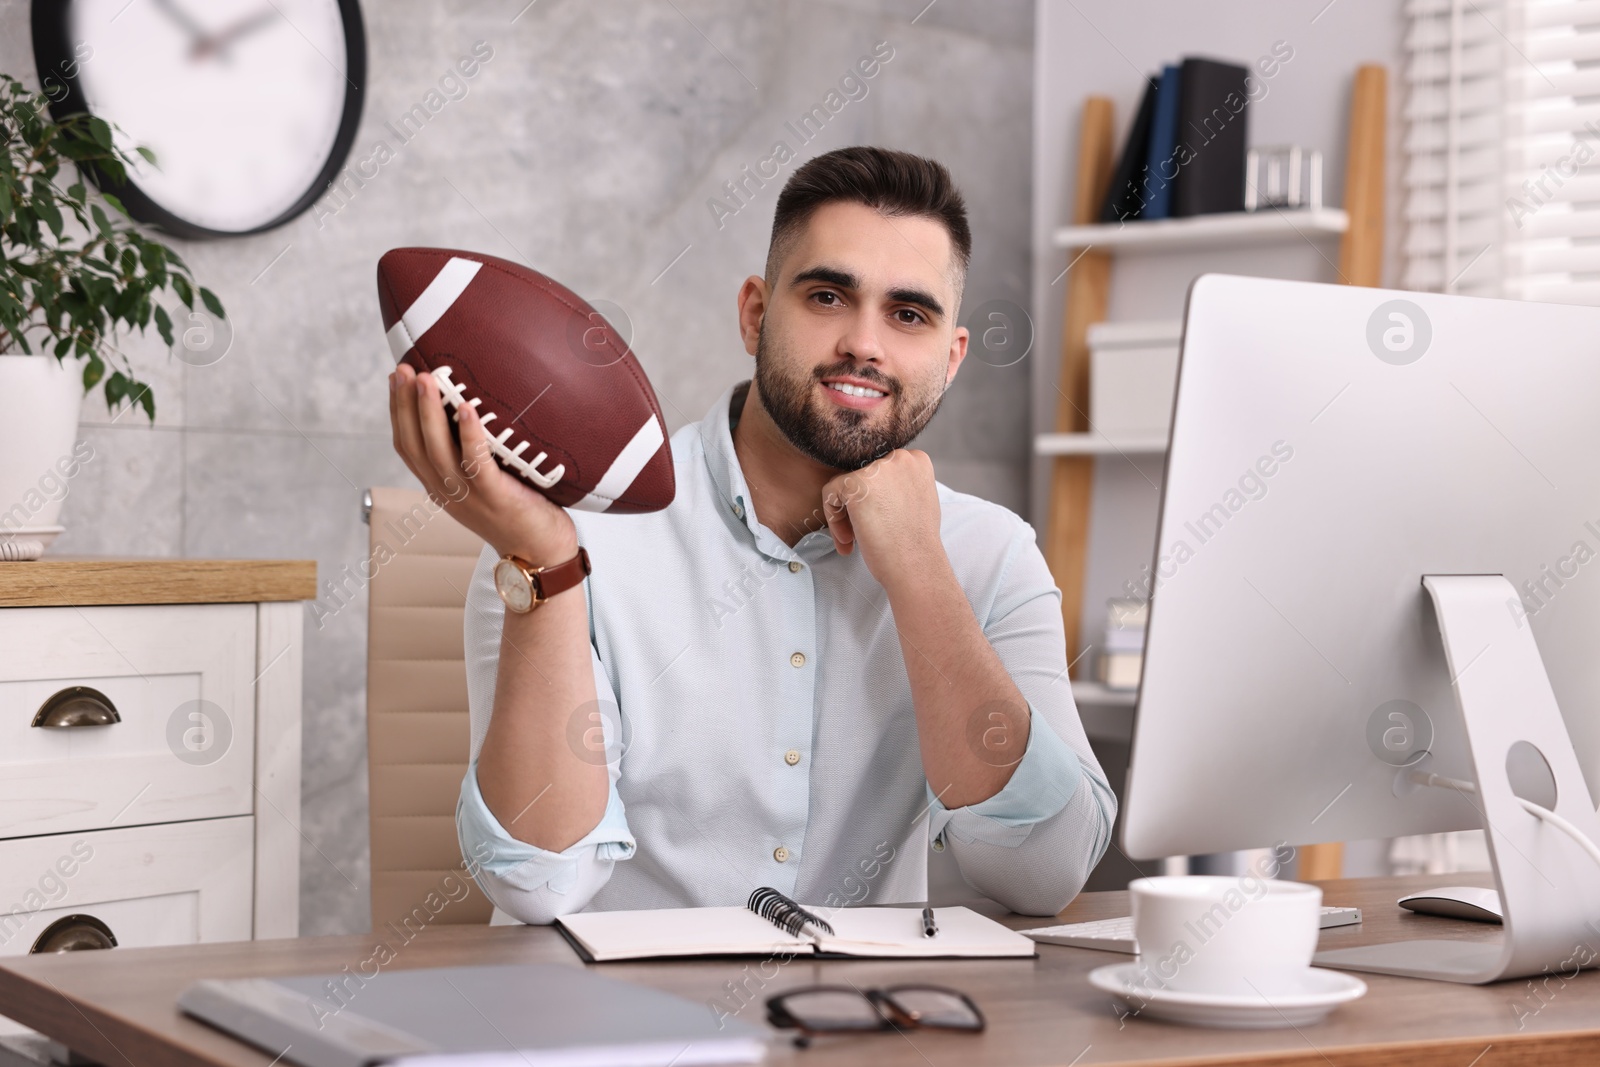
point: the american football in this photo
(565, 403)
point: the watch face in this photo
(243, 102)
(513, 585)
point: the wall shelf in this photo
(1106, 714)
(1229, 229)
(1096, 444)
(1103, 696)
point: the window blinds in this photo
(1502, 148)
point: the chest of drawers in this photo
(149, 752)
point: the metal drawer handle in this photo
(77, 705)
(74, 933)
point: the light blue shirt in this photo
(758, 721)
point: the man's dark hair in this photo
(890, 182)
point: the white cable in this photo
(1559, 822)
(1564, 826)
(1439, 780)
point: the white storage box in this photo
(1133, 372)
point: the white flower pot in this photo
(40, 400)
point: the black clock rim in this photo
(53, 57)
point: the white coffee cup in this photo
(1230, 936)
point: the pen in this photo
(929, 927)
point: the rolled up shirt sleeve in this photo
(1043, 783)
(520, 866)
(1032, 845)
(528, 883)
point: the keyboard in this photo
(1116, 935)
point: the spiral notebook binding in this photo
(783, 912)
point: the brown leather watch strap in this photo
(548, 581)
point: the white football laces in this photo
(456, 396)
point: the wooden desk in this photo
(118, 1006)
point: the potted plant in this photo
(74, 279)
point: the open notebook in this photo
(601, 936)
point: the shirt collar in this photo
(733, 493)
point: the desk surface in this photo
(118, 1006)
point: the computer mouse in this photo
(1456, 902)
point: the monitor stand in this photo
(1549, 886)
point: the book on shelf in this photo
(1188, 146)
(1120, 670)
(1124, 641)
(1163, 142)
(1125, 195)
(1213, 125)
(1127, 613)
(1122, 650)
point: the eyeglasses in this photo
(831, 1009)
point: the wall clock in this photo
(250, 106)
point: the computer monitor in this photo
(1379, 535)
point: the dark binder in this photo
(1125, 196)
(1213, 137)
(1162, 169)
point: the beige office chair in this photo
(417, 725)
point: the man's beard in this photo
(833, 435)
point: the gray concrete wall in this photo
(587, 147)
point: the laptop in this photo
(514, 1015)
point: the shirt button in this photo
(780, 854)
(738, 509)
(938, 844)
(794, 566)
(792, 756)
(798, 659)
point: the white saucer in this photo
(1305, 999)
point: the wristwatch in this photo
(524, 587)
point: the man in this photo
(816, 664)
